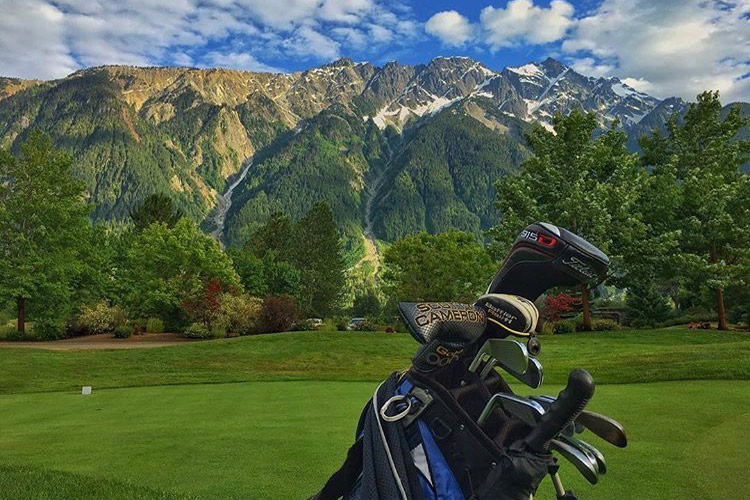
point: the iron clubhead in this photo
(533, 377)
(506, 351)
(585, 464)
(526, 410)
(593, 453)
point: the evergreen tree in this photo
(156, 208)
(276, 235)
(318, 254)
(590, 186)
(42, 220)
(700, 159)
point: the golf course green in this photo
(270, 417)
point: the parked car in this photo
(355, 322)
(309, 324)
(316, 322)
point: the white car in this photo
(355, 322)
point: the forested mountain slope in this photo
(407, 148)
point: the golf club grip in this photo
(568, 405)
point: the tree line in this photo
(157, 271)
(674, 219)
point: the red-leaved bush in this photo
(556, 305)
(277, 314)
(204, 307)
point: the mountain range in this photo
(394, 149)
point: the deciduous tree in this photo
(700, 157)
(588, 185)
(43, 219)
(450, 266)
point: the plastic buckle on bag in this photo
(422, 398)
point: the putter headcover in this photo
(546, 256)
(508, 315)
(445, 329)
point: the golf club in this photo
(585, 463)
(590, 450)
(605, 427)
(509, 352)
(533, 377)
(524, 409)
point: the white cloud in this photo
(346, 11)
(669, 48)
(52, 38)
(639, 84)
(521, 21)
(237, 60)
(307, 42)
(589, 67)
(32, 41)
(450, 27)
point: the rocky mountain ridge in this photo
(349, 133)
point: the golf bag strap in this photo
(343, 480)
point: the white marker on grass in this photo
(86, 390)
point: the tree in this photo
(167, 267)
(700, 158)
(42, 219)
(589, 185)
(367, 304)
(266, 275)
(450, 266)
(318, 254)
(276, 235)
(156, 208)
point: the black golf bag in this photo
(419, 438)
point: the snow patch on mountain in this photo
(530, 69)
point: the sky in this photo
(662, 47)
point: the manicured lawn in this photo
(177, 430)
(612, 357)
(279, 440)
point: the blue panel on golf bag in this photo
(436, 477)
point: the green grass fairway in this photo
(279, 440)
(167, 424)
(612, 357)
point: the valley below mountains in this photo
(393, 150)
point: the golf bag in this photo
(417, 441)
(420, 437)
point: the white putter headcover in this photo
(508, 315)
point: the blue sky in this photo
(665, 47)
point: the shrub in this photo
(154, 325)
(646, 306)
(277, 314)
(555, 305)
(684, 318)
(100, 318)
(341, 325)
(123, 332)
(601, 325)
(198, 331)
(565, 326)
(16, 336)
(548, 328)
(238, 314)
